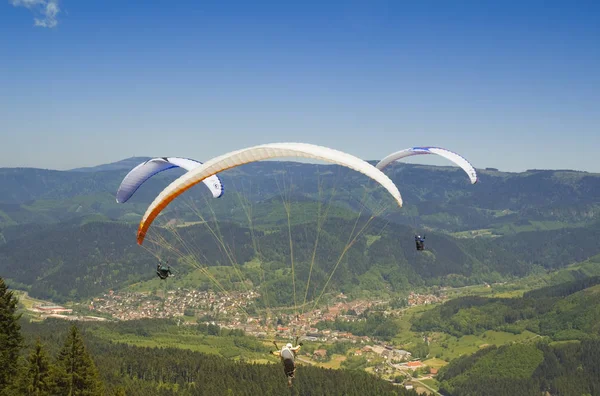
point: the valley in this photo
(367, 306)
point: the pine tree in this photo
(75, 373)
(37, 378)
(11, 340)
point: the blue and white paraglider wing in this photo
(454, 157)
(144, 171)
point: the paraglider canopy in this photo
(144, 171)
(257, 153)
(454, 157)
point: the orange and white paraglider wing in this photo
(258, 153)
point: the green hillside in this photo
(435, 197)
(567, 311)
(525, 369)
(548, 340)
(79, 259)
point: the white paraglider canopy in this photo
(258, 153)
(454, 157)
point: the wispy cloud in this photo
(45, 11)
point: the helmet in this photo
(288, 345)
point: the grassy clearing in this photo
(505, 229)
(431, 382)
(477, 290)
(435, 363)
(509, 294)
(187, 338)
(334, 363)
(500, 290)
(447, 347)
(481, 233)
(420, 389)
(26, 301)
(165, 342)
(555, 343)
(405, 337)
(371, 239)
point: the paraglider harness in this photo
(289, 366)
(420, 242)
(162, 272)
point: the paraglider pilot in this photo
(420, 242)
(288, 356)
(162, 272)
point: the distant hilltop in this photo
(127, 163)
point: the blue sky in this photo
(511, 85)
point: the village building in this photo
(414, 365)
(399, 355)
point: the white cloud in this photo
(45, 11)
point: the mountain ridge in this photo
(435, 197)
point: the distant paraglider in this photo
(420, 242)
(144, 171)
(162, 272)
(454, 157)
